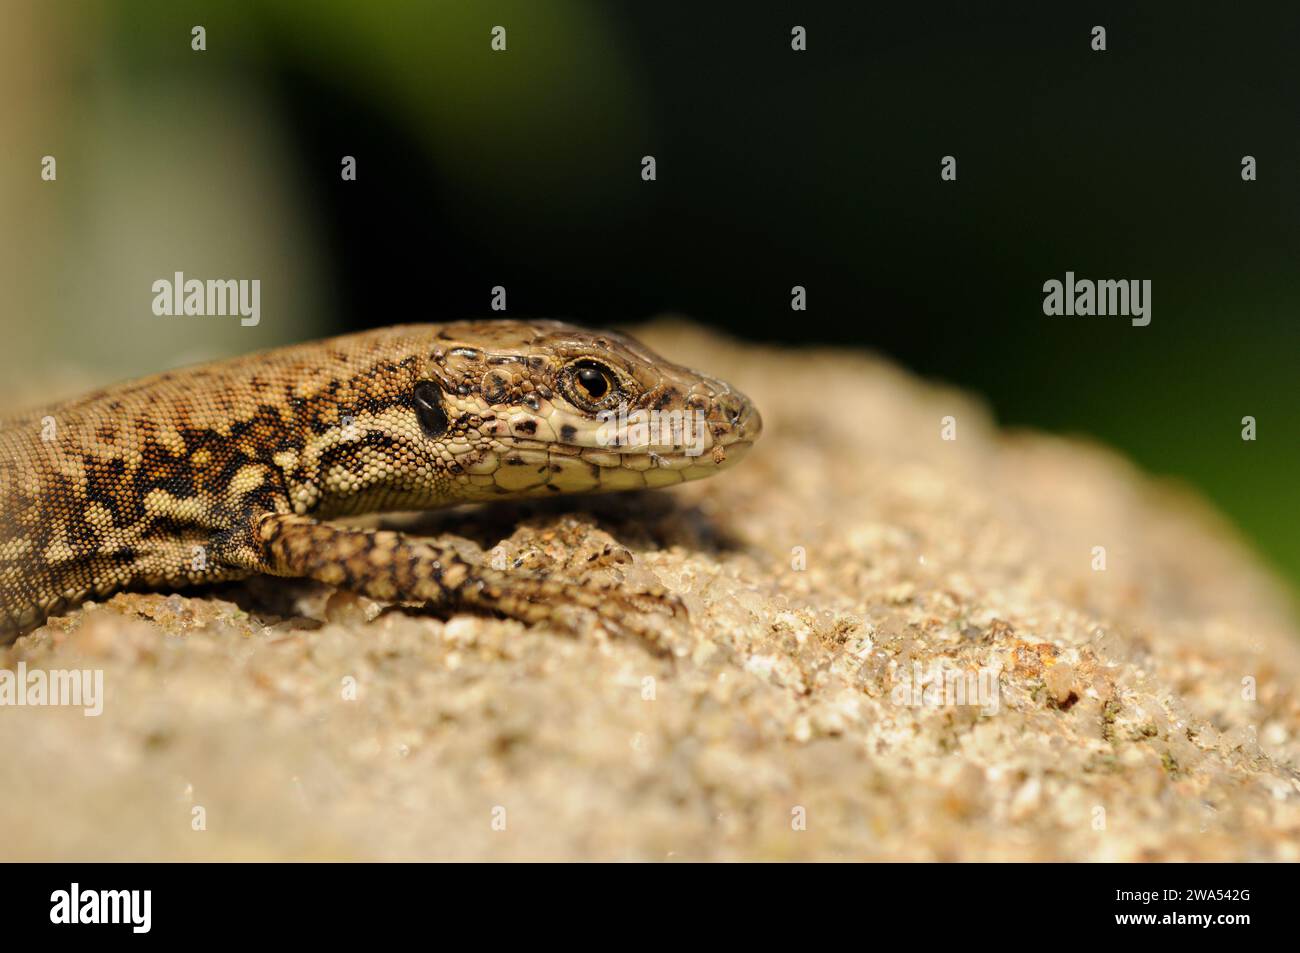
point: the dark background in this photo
(822, 169)
(817, 168)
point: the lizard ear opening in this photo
(427, 400)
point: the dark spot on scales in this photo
(526, 426)
(568, 432)
(429, 409)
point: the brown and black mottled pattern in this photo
(215, 472)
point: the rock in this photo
(940, 675)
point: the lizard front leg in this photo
(394, 567)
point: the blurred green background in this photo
(775, 168)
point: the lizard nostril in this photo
(732, 408)
(741, 416)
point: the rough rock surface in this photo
(1147, 711)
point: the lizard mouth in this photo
(622, 452)
(719, 443)
(590, 471)
(569, 468)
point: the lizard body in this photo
(219, 471)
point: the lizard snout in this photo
(737, 415)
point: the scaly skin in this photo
(220, 471)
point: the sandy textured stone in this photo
(307, 724)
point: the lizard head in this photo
(540, 406)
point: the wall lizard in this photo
(223, 470)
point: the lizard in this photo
(223, 470)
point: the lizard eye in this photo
(427, 399)
(593, 379)
(589, 382)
